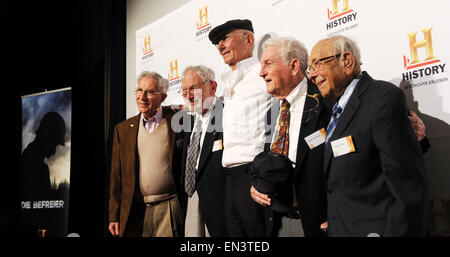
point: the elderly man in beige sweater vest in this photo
(143, 194)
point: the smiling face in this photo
(237, 46)
(149, 101)
(280, 77)
(333, 75)
(202, 91)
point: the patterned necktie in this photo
(334, 120)
(281, 145)
(191, 159)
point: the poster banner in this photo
(45, 163)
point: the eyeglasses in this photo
(228, 37)
(318, 64)
(184, 91)
(140, 92)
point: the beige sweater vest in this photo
(155, 168)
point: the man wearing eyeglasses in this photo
(246, 105)
(143, 192)
(202, 174)
(374, 170)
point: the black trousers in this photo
(243, 216)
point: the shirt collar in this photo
(298, 91)
(207, 115)
(242, 67)
(343, 100)
(155, 118)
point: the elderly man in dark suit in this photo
(143, 192)
(375, 175)
(283, 65)
(202, 174)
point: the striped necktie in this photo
(191, 159)
(334, 120)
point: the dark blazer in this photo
(124, 185)
(308, 173)
(210, 181)
(382, 186)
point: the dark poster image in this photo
(45, 163)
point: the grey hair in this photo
(204, 72)
(344, 44)
(163, 83)
(290, 48)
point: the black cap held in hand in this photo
(219, 32)
(272, 174)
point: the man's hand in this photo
(324, 225)
(114, 228)
(417, 124)
(260, 198)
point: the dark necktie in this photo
(281, 145)
(334, 120)
(191, 159)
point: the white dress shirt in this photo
(296, 100)
(246, 103)
(205, 119)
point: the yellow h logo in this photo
(203, 16)
(173, 69)
(414, 45)
(335, 6)
(147, 47)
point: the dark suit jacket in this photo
(210, 181)
(308, 173)
(382, 186)
(124, 185)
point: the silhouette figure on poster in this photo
(35, 179)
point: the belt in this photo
(237, 169)
(149, 204)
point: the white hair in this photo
(163, 84)
(204, 72)
(344, 44)
(290, 48)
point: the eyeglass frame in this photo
(228, 36)
(139, 92)
(191, 88)
(319, 63)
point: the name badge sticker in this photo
(317, 138)
(342, 146)
(217, 146)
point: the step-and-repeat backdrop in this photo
(404, 42)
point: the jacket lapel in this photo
(311, 112)
(207, 147)
(346, 117)
(132, 135)
(210, 137)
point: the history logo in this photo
(340, 16)
(147, 51)
(203, 27)
(429, 64)
(174, 77)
